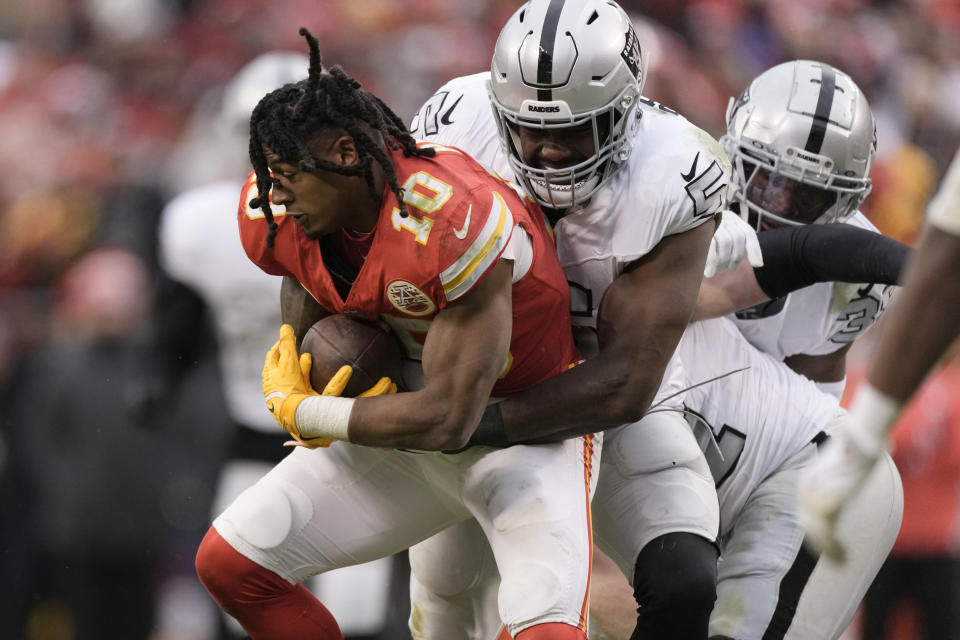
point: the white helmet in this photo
(805, 128)
(259, 77)
(567, 63)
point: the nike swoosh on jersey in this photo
(445, 118)
(461, 233)
(459, 277)
(687, 177)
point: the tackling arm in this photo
(641, 318)
(797, 257)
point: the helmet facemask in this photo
(612, 127)
(816, 195)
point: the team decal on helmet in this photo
(631, 52)
(735, 106)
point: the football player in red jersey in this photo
(361, 220)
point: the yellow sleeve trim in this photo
(460, 277)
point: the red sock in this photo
(267, 606)
(550, 631)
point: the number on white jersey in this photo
(705, 189)
(722, 450)
(436, 111)
(861, 312)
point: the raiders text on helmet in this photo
(810, 123)
(566, 63)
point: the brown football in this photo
(337, 340)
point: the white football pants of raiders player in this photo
(653, 481)
(767, 422)
(321, 509)
(770, 587)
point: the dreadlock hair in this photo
(286, 119)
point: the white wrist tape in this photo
(872, 413)
(324, 417)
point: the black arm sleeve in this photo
(796, 257)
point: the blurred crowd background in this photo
(111, 406)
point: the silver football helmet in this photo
(801, 139)
(564, 64)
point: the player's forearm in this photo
(610, 390)
(639, 323)
(439, 417)
(415, 420)
(640, 320)
(925, 318)
(728, 292)
(464, 352)
(797, 257)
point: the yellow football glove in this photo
(341, 379)
(286, 382)
(384, 386)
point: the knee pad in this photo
(267, 514)
(659, 441)
(677, 566)
(675, 582)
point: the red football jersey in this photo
(460, 221)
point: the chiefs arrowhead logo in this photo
(409, 299)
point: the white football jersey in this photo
(761, 412)
(818, 319)
(675, 180)
(200, 246)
